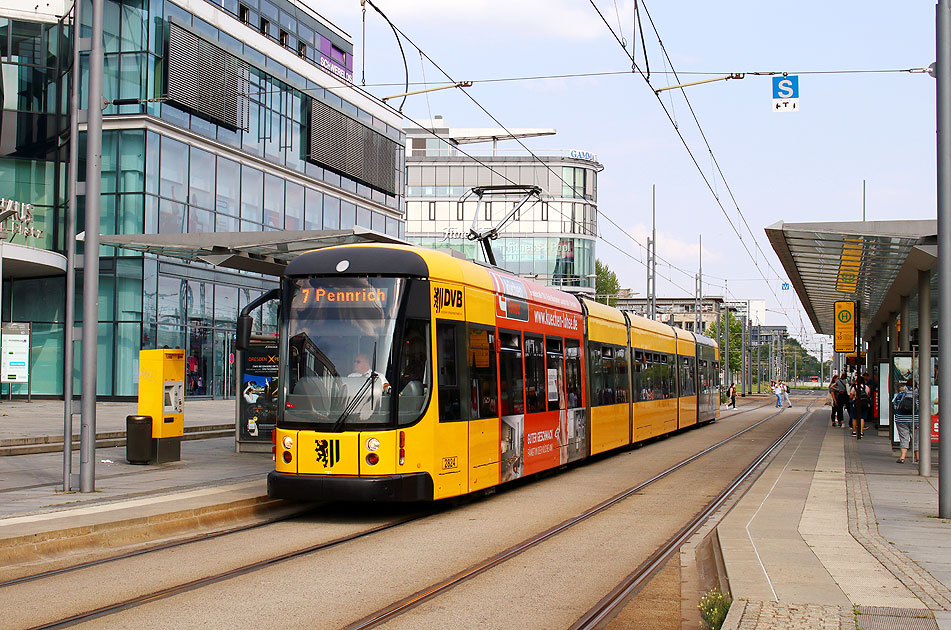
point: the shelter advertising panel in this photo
(257, 400)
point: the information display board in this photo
(15, 348)
(257, 399)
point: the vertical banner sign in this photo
(786, 94)
(845, 326)
(15, 347)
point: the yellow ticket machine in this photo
(162, 397)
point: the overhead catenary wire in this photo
(691, 153)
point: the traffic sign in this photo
(845, 326)
(786, 93)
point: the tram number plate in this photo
(450, 463)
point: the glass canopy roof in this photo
(260, 252)
(846, 261)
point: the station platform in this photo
(210, 486)
(835, 534)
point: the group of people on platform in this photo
(854, 396)
(779, 389)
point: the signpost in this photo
(845, 326)
(786, 93)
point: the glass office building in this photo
(551, 241)
(221, 116)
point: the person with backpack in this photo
(904, 405)
(861, 403)
(841, 397)
(785, 394)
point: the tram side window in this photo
(534, 374)
(555, 373)
(511, 394)
(621, 383)
(483, 373)
(415, 382)
(450, 403)
(573, 372)
(686, 377)
(664, 385)
(596, 368)
(637, 375)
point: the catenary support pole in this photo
(726, 345)
(924, 372)
(71, 214)
(742, 356)
(87, 436)
(943, 72)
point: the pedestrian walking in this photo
(778, 391)
(732, 394)
(839, 391)
(861, 402)
(785, 397)
(904, 405)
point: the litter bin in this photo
(138, 439)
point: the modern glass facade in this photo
(170, 165)
(551, 241)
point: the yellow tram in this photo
(408, 374)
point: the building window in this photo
(460, 211)
(283, 37)
(265, 26)
(338, 55)
(301, 50)
(244, 14)
(544, 212)
(488, 211)
(432, 210)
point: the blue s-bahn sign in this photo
(786, 93)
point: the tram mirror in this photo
(243, 340)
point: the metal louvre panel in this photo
(349, 147)
(206, 79)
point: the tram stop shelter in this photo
(266, 253)
(888, 269)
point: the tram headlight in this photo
(373, 444)
(288, 442)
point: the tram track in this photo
(205, 537)
(162, 593)
(631, 584)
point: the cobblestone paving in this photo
(786, 616)
(864, 529)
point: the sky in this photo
(854, 122)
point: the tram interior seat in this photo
(311, 393)
(412, 399)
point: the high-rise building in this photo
(552, 239)
(219, 116)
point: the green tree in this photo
(606, 284)
(736, 331)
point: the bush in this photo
(713, 608)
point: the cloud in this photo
(671, 248)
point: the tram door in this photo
(451, 432)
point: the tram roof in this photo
(873, 263)
(260, 252)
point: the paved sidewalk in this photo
(836, 535)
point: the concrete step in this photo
(106, 439)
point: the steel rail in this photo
(607, 608)
(398, 608)
(132, 602)
(159, 547)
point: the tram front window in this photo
(345, 338)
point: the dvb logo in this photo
(443, 297)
